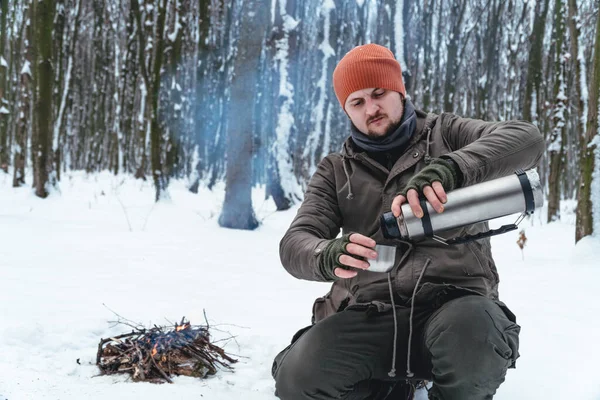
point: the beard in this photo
(376, 136)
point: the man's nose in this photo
(372, 107)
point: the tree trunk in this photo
(22, 127)
(574, 34)
(534, 68)
(146, 85)
(66, 86)
(25, 101)
(44, 81)
(437, 68)
(589, 183)
(559, 119)
(237, 209)
(4, 154)
(279, 163)
(457, 14)
(174, 165)
(485, 102)
(427, 80)
(158, 174)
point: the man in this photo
(436, 315)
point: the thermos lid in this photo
(389, 226)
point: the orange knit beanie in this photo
(367, 66)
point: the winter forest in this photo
(240, 91)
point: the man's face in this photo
(375, 111)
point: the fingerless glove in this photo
(438, 170)
(330, 257)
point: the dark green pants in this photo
(464, 347)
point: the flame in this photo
(154, 350)
(182, 327)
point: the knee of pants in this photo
(292, 381)
(302, 369)
(472, 334)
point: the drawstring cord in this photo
(392, 372)
(409, 249)
(409, 373)
(345, 164)
(427, 156)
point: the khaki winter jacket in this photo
(350, 191)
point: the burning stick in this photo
(156, 354)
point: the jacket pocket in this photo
(321, 308)
(509, 329)
(482, 268)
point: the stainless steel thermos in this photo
(520, 192)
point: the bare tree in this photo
(534, 68)
(42, 143)
(281, 181)
(4, 155)
(590, 153)
(237, 209)
(24, 102)
(428, 67)
(558, 138)
(158, 174)
(457, 13)
(576, 57)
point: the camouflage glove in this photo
(330, 257)
(438, 170)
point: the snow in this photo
(4, 110)
(144, 93)
(483, 80)
(26, 68)
(177, 25)
(3, 62)
(103, 241)
(273, 7)
(583, 83)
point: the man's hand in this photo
(349, 251)
(432, 181)
(435, 195)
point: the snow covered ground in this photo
(102, 243)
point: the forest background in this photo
(240, 91)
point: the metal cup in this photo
(386, 258)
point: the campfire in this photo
(156, 354)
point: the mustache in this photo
(375, 117)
